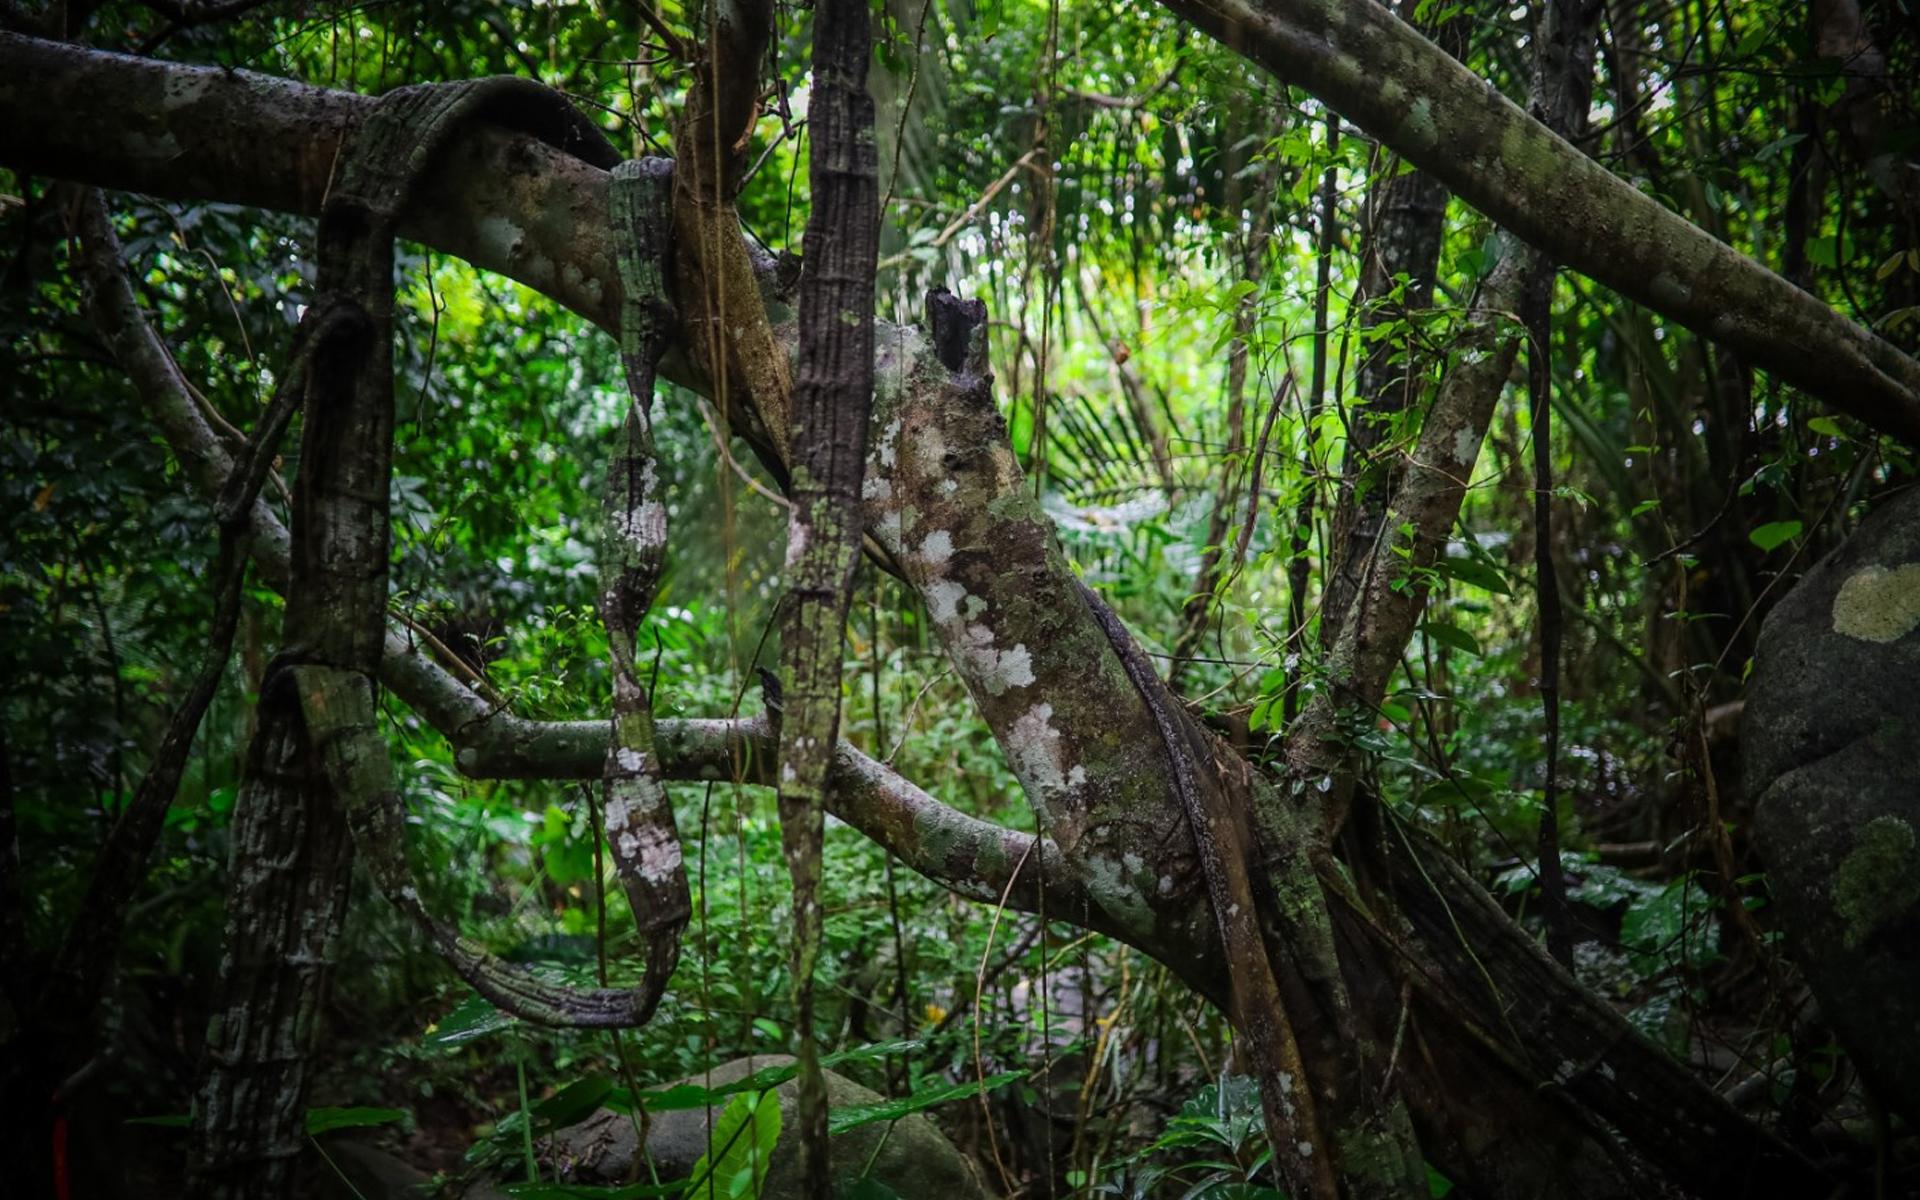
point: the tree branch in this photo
(507, 204)
(1385, 77)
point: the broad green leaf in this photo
(326, 1120)
(474, 1017)
(742, 1143)
(840, 1120)
(574, 1102)
(1774, 534)
(1452, 636)
(1476, 573)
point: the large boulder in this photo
(1832, 749)
(913, 1157)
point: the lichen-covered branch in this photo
(640, 826)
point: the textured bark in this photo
(640, 827)
(832, 400)
(1225, 504)
(1407, 215)
(727, 333)
(287, 881)
(1393, 590)
(1299, 567)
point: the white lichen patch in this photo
(876, 489)
(1419, 123)
(183, 89)
(1117, 891)
(1666, 289)
(988, 666)
(642, 528)
(889, 527)
(1878, 605)
(630, 759)
(889, 442)
(796, 543)
(937, 548)
(1033, 749)
(500, 239)
(144, 146)
(1466, 446)
(931, 447)
(943, 601)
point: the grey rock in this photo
(911, 1156)
(1831, 741)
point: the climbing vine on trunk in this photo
(832, 397)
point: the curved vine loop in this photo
(337, 602)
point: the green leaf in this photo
(1476, 573)
(1827, 426)
(840, 1120)
(1257, 720)
(474, 1017)
(326, 1120)
(1452, 636)
(1830, 251)
(574, 1102)
(1774, 534)
(742, 1142)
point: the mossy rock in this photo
(1832, 755)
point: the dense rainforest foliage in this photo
(1361, 564)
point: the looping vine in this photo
(335, 623)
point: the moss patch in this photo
(1880, 880)
(1878, 605)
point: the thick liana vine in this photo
(832, 399)
(320, 761)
